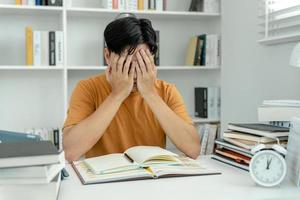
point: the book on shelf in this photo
(207, 6)
(133, 5)
(139, 162)
(28, 153)
(39, 2)
(44, 48)
(47, 191)
(204, 50)
(208, 134)
(207, 102)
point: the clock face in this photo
(267, 168)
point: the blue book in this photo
(38, 2)
(9, 136)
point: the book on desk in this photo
(136, 163)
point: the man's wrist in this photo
(116, 98)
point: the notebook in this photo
(139, 162)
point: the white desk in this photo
(232, 184)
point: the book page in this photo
(110, 163)
(88, 177)
(149, 155)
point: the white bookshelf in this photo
(38, 96)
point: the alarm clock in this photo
(267, 166)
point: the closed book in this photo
(59, 48)
(48, 191)
(32, 174)
(260, 129)
(146, 4)
(213, 129)
(24, 2)
(140, 4)
(45, 48)
(164, 4)
(18, 2)
(204, 139)
(114, 4)
(9, 136)
(203, 52)
(122, 4)
(44, 2)
(159, 5)
(198, 53)
(31, 2)
(191, 51)
(29, 46)
(132, 5)
(56, 137)
(152, 4)
(239, 158)
(28, 153)
(201, 102)
(277, 113)
(52, 48)
(229, 161)
(38, 2)
(37, 45)
(55, 3)
(250, 137)
(222, 143)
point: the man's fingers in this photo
(151, 57)
(132, 69)
(141, 63)
(127, 64)
(138, 70)
(114, 61)
(120, 62)
(146, 60)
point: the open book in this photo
(140, 162)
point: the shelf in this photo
(30, 10)
(159, 14)
(280, 39)
(204, 120)
(158, 68)
(13, 67)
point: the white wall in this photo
(251, 72)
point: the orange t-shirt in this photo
(134, 123)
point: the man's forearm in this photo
(84, 135)
(182, 134)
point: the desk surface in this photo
(232, 184)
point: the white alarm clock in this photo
(267, 166)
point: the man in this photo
(127, 106)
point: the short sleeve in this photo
(176, 103)
(81, 104)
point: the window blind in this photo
(279, 21)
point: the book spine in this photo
(201, 102)
(37, 48)
(210, 102)
(203, 55)
(121, 5)
(204, 140)
(56, 138)
(196, 51)
(18, 2)
(31, 2)
(59, 51)
(165, 5)
(24, 2)
(54, 3)
(211, 139)
(198, 55)
(114, 4)
(146, 4)
(37, 2)
(45, 48)
(152, 4)
(133, 5)
(51, 48)
(208, 51)
(29, 46)
(44, 2)
(140, 4)
(159, 5)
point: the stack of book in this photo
(207, 6)
(207, 102)
(204, 50)
(235, 146)
(44, 48)
(40, 2)
(30, 169)
(132, 5)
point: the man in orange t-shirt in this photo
(127, 106)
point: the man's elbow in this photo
(194, 152)
(71, 156)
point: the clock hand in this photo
(269, 163)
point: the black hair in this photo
(129, 32)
